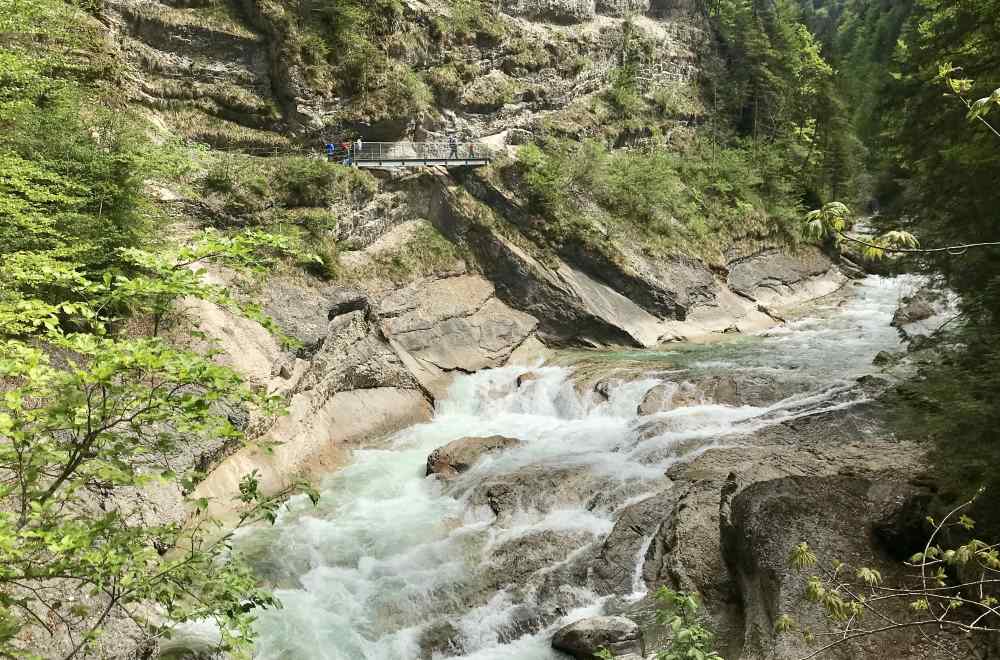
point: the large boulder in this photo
(832, 479)
(667, 396)
(778, 276)
(916, 315)
(583, 639)
(613, 569)
(460, 455)
(840, 517)
(910, 310)
(454, 323)
(512, 563)
(440, 640)
(545, 488)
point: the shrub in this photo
(247, 186)
(694, 200)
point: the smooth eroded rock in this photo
(667, 396)
(545, 488)
(584, 638)
(454, 323)
(613, 568)
(458, 456)
(528, 377)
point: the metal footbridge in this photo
(389, 155)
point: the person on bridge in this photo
(331, 151)
(358, 146)
(453, 146)
(346, 147)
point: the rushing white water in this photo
(389, 553)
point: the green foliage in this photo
(424, 252)
(254, 189)
(93, 413)
(469, 20)
(802, 557)
(834, 219)
(830, 221)
(104, 419)
(293, 197)
(345, 48)
(448, 80)
(950, 589)
(689, 640)
(690, 201)
(624, 95)
(777, 87)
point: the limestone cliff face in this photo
(234, 73)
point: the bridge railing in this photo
(392, 151)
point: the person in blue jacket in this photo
(331, 151)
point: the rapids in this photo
(388, 554)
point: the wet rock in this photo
(516, 560)
(583, 639)
(528, 377)
(741, 389)
(460, 455)
(441, 639)
(603, 388)
(873, 385)
(884, 358)
(667, 396)
(522, 620)
(919, 307)
(544, 488)
(614, 567)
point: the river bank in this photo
(597, 504)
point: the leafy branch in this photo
(935, 600)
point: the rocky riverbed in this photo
(541, 496)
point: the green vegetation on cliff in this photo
(97, 406)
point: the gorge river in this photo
(392, 564)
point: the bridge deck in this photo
(374, 155)
(420, 162)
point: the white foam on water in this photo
(388, 552)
